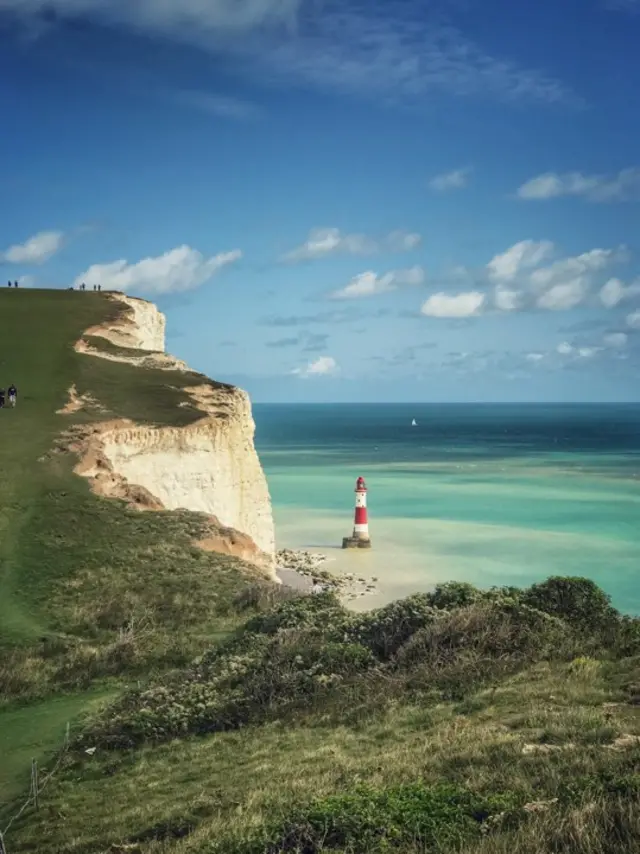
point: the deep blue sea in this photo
(491, 494)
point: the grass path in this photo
(36, 353)
(36, 732)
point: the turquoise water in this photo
(491, 494)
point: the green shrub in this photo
(381, 820)
(385, 630)
(255, 678)
(320, 611)
(578, 601)
(622, 636)
(470, 646)
(454, 594)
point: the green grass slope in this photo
(457, 722)
(89, 590)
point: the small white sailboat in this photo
(414, 423)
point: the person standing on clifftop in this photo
(1, 398)
(13, 394)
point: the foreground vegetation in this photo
(455, 721)
(214, 713)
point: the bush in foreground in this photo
(381, 820)
(310, 654)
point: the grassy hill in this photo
(75, 570)
(212, 712)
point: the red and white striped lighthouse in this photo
(360, 538)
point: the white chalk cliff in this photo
(210, 465)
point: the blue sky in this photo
(338, 201)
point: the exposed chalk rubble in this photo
(308, 565)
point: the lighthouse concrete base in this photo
(355, 543)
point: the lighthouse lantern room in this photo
(360, 538)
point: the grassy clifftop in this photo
(221, 715)
(89, 590)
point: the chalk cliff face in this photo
(210, 465)
(141, 327)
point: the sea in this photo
(489, 494)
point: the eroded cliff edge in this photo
(208, 466)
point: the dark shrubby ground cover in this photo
(459, 722)
(309, 651)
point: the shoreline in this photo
(303, 570)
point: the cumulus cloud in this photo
(564, 295)
(565, 283)
(35, 250)
(321, 366)
(523, 281)
(534, 357)
(369, 284)
(389, 50)
(323, 242)
(180, 269)
(466, 304)
(595, 188)
(507, 299)
(529, 276)
(524, 255)
(615, 291)
(455, 180)
(633, 320)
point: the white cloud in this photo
(615, 339)
(595, 188)
(26, 281)
(534, 357)
(390, 50)
(322, 366)
(369, 283)
(578, 265)
(614, 292)
(323, 242)
(35, 250)
(180, 269)
(465, 304)
(566, 349)
(455, 180)
(523, 281)
(525, 277)
(563, 296)
(506, 299)
(520, 257)
(633, 320)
